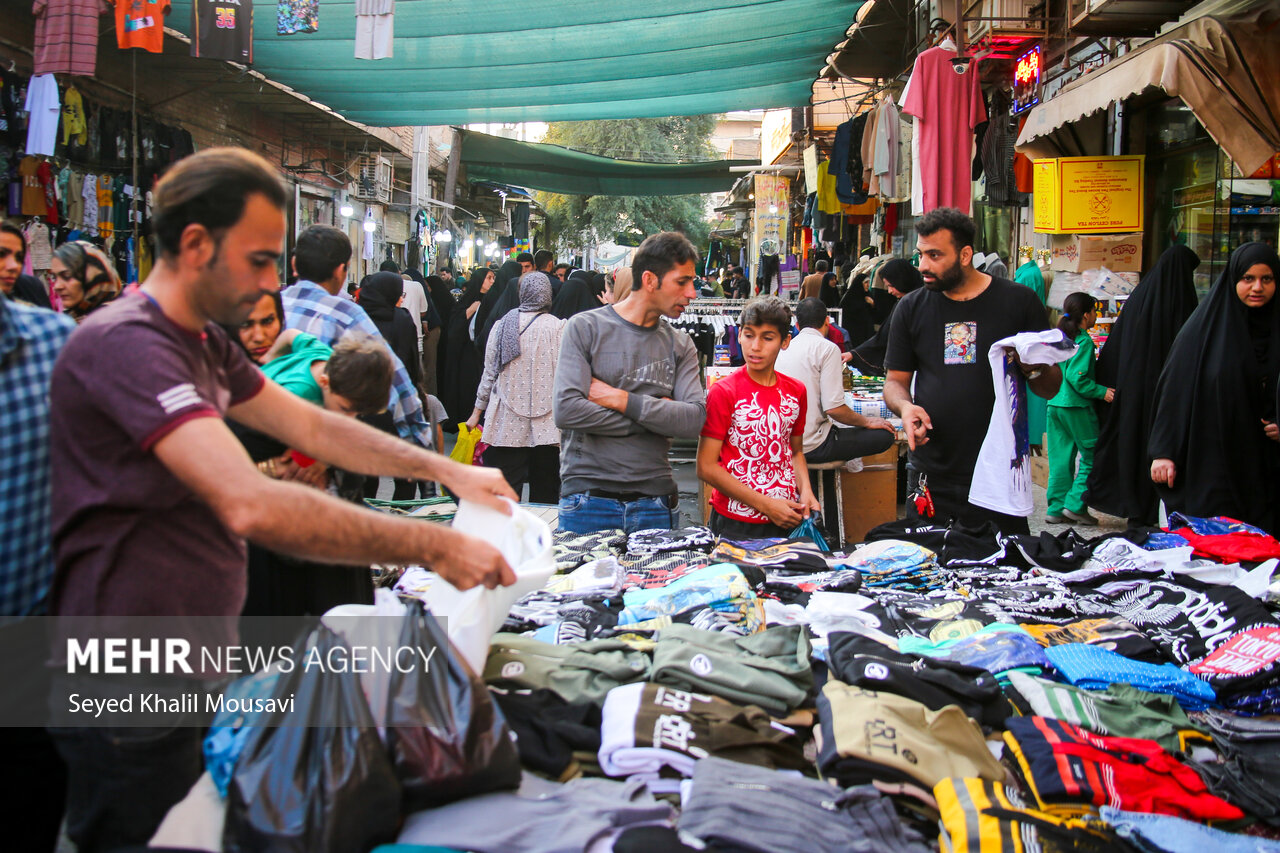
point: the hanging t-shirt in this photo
(49, 186)
(43, 110)
(947, 107)
(943, 342)
(375, 25)
(89, 201)
(223, 29)
(74, 128)
(33, 203)
(140, 23)
(66, 39)
(756, 424)
(1002, 477)
(106, 207)
(297, 16)
(39, 245)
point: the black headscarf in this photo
(576, 296)
(1217, 385)
(471, 293)
(434, 318)
(1130, 362)
(856, 314)
(379, 294)
(458, 390)
(868, 358)
(501, 298)
(828, 293)
(441, 296)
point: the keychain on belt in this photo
(922, 498)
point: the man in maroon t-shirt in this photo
(153, 496)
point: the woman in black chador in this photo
(1215, 447)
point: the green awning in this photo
(556, 169)
(555, 60)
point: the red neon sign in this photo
(1026, 79)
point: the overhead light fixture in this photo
(751, 196)
(479, 243)
(468, 243)
(370, 226)
(346, 210)
(442, 236)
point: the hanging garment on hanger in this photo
(375, 28)
(947, 107)
(885, 149)
(39, 244)
(66, 38)
(33, 203)
(222, 31)
(297, 16)
(43, 110)
(140, 23)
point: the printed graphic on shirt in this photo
(1016, 389)
(661, 373)
(960, 341)
(761, 436)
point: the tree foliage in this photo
(586, 220)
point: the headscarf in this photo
(576, 296)
(95, 272)
(535, 300)
(471, 293)
(434, 318)
(495, 304)
(1216, 386)
(868, 358)
(902, 275)
(441, 296)
(1130, 362)
(379, 294)
(855, 312)
(827, 290)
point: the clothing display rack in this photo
(718, 307)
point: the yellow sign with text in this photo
(1088, 195)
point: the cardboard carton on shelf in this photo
(1080, 252)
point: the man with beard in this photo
(938, 346)
(153, 497)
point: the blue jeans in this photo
(582, 513)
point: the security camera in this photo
(960, 64)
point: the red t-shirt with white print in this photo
(756, 424)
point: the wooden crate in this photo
(871, 496)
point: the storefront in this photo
(1202, 103)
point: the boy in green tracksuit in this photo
(1073, 425)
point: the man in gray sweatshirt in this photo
(626, 384)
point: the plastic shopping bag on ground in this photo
(447, 738)
(315, 779)
(474, 616)
(464, 449)
(230, 730)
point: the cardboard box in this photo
(1088, 195)
(1080, 252)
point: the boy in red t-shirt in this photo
(751, 451)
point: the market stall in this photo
(930, 688)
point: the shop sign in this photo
(771, 214)
(1088, 195)
(775, 135)
(1026, 79)
(811, 169)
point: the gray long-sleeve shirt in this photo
(615, 451)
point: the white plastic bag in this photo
(371, 626)
(474, 616)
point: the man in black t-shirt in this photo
(938, 344)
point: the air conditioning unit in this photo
(373, 179)
(986, 18)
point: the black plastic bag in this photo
(447, 737)
(317, 779)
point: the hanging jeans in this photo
(1072, 431)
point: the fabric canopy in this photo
(1226, 71)
(561, 170)
(555, 60)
